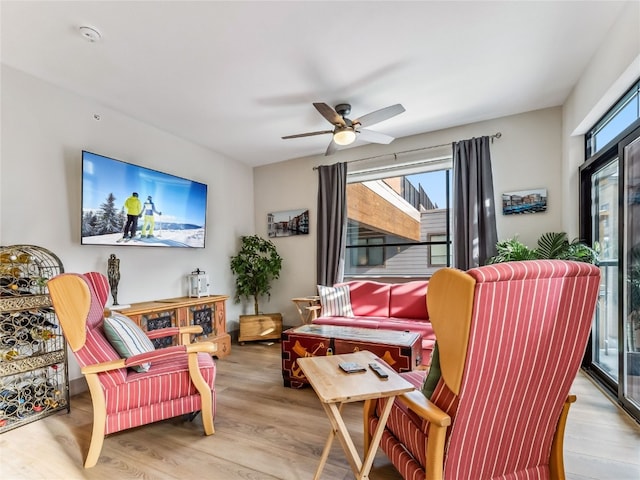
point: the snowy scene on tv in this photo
(125, 204)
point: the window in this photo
(399, 221)
(366, 255)
(623, 114)
(438, 252)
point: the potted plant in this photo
(255, 266)
(550, 245)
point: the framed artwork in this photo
(524, 201)
(288, 223)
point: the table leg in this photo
(375, 440)
(339, 428)
(330, 437)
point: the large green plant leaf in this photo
(557, 245)
(553, 245)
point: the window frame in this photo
(440, 164)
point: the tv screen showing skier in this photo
(126, 204)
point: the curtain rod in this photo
(492, 137)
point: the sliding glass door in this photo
(631, 286)
(604, 208)
(610, 218)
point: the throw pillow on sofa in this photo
(127, 338)
(335, 301)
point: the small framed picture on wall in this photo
(524, 201)
(288, 223)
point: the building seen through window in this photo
(399, 225)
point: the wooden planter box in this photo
(267, 326)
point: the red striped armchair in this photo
(173, 381)
(510, 340)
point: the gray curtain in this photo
(474, 213)
(332, 220)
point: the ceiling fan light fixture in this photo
(344, 136)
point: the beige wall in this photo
(611, 72)
(528, 155)
(44, 130)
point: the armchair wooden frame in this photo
(72, 301)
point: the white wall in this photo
(44, 130)
(611, 72)
(528, 155)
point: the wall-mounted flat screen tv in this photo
(126, 204)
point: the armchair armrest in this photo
(154, 355)
(438, 423)
(176, 350)
(103, 367)
(207, 347)
(184, 333)
(417, 402)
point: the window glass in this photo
(438, 252)
(621, 116)
(398, 223)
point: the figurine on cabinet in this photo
(113, 273)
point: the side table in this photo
(335, 387)
(302, 305)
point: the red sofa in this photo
(400, 306)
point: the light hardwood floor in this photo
(266, 431)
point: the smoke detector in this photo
(91, 34)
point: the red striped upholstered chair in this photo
(510, 338)
(180, 380)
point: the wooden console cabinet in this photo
(208, 312)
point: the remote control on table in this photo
(378, 370)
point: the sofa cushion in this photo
(127, 338)
(409, 300)
(369, 299)
(335, 301)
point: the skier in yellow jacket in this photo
(149, 222)
(133, 207)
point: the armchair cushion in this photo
(433, 377)
(335, 301)
(127, 338)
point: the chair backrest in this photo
(511, 337)
(79, 301)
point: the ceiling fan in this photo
(345, 130)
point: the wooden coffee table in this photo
(335, 388)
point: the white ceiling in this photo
(236, 76)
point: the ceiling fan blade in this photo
(310, 134)
(380, 115)
(330, 114)
(331, 149)
(374, 137)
